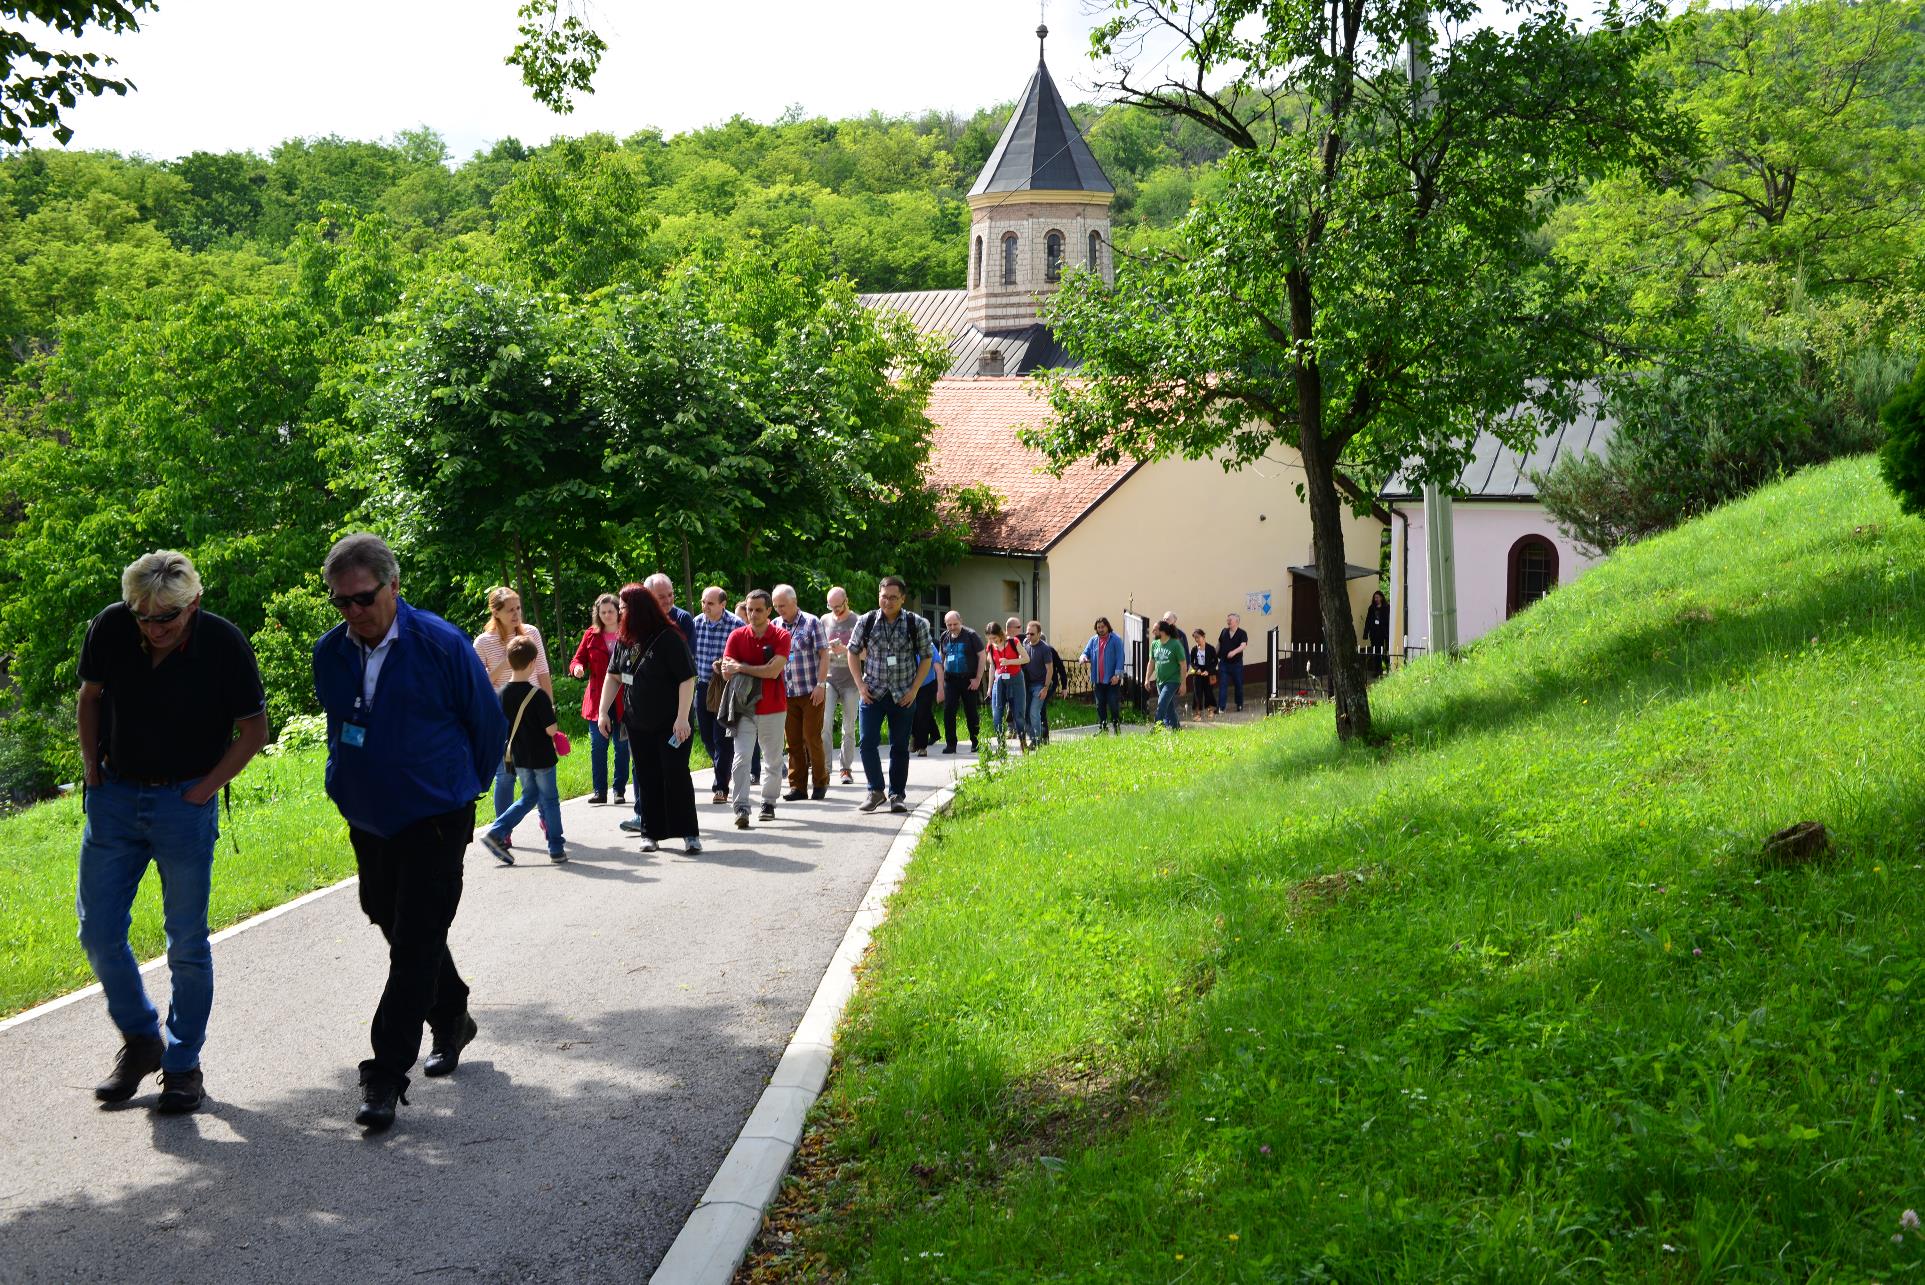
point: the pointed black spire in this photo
(1040, 148)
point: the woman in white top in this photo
(491, 645)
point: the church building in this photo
(1171, 535)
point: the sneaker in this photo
(445, 1055)
(848, 778)
(180, 1092)
(559, 856)
(875, 800)
(621, 797)
(631, 825)
(768, 812)
(923, 753)
(692, 846)
(742, 819)
(720, 796)
(139, 1057)
(377, 1104)
(897, 803)
(795, 796)
(597, 800)
(649, 845)
(497, 849)
(821, 793)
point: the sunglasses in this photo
(340, 601)
(159, 618)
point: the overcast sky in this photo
(221, 75)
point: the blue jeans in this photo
(1232, 672)
(128, 826)
(1007, 696)
(504, 787)
(598, 765)
(1038, 713)
(1166, 705)
(538, 790)
(901, 719)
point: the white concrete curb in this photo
(727, 1219)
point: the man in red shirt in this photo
(759, 650)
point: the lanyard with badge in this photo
(354, 729)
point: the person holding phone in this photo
(652, 671)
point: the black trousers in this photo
(956, 692)
(720, 747)
(923, 728)
(410, 888)
(664, 792)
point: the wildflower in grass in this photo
(1909, 1220)
(1695, 952)
(1897, 1239)
(1264, 1150)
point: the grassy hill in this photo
(1508, 997)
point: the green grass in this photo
(291, 840)
(1509, 996)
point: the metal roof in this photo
(1040, 149)
(1496, 472)
(1023, 351)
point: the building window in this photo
(1012, 597)
(1053, 257)
(976, 271)
(1009, 258)
(935, 605)
(1096, 252)
(1533, 572)
(990, 363)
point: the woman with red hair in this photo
(651, 667)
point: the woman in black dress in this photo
(1203, 671)
(1377, 634)
(651, 662)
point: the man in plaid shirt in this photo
(890, 654)
(807, 677)
(712, 630)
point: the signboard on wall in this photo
(1257, 602)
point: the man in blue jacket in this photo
(414, 733)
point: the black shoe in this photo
(139, 1057)
(621, 797)
(795, 796)
(180, 1092)
(821, 793)
(599, 799)
(768, 812)
(948, 749)
(445, 1056)
(377, 1105)
(742, 819)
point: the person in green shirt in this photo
(1166, 658)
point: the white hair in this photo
(163, 579)
(783, 591)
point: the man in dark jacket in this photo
(414, 734)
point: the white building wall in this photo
(1485, 532)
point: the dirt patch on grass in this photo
(1068, 1107)
(1323, 891)
(813, 1191)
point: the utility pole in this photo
(1440, 537)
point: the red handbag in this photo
(562, 745)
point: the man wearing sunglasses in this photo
(171, 709)
(414, 734)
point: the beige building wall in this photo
(1185, 536)
(982, 588)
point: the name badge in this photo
(628, 680)
(353, 735)
(892, 661)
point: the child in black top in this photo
(531, 752)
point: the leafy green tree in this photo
(1323, 299)
(38, 81)
(558, 53)
(577, 216)
(1902, 457)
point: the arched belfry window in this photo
(976, 270)
(1533, 572)
(1009, 258)
(1096, 252)
(1053, 257)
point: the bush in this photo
(37, 753)
(1902, 458)
(284, 648)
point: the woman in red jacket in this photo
(591, 663)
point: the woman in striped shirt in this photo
(491, 645)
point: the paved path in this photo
(631, 1008)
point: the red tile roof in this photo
(975, 442)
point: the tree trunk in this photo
(1347, 688)
(525, 584)
(555, 560)
(688, 574)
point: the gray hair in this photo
(162, 578)
(363, 550)
(782, 591)
(657, 581)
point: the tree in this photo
(1902, 458)
(1369, 286)
(558, 53)
(38, 82)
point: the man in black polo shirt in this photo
(171, 709)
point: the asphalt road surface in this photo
(631, 1007)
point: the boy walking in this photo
(531, 755)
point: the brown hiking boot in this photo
(139, 1057)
